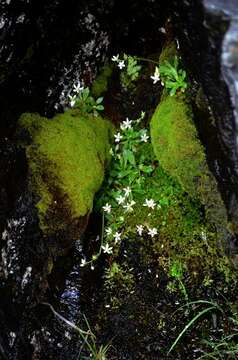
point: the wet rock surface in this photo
(207, 31)
(45, 48)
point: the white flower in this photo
(115, 58)
(127, 191)
(92, 267)
(152, 232)
(162, 83)
(150, 203)
(121, 64)
(142, 114)
(72, 100)
(77, 88)
(126, 124)
(156, 76)
(139, 229)
(118, 137)
(107, 249)
(107, 208)
(129, 206)
(108, 231)
(83, 262)
(144, 137)
(117, 237)
(204, 235)
(120, 199)
(162, 29)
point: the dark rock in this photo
(46, 47)
(208, 34)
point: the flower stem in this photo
(147, 60)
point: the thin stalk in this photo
(199, 302)
(147, 60)
(201, 313)
(207, 355)
(84, 334)
(69, 323)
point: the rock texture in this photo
(207, 31)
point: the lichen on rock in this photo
(66, 158)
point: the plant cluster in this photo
(83, 100)
(211, 347)
(87, 336)
(131, 69)
(138, 199)
(131, 165)
(173, 78)
(177, 274)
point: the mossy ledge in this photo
(66, 158)
(180, 153)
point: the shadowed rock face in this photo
(46, 47)
(208, 32)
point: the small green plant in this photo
(83, 100)
(168, 73)
(211, 347)
(176, 272)
(174, 79)
(130, 70)
(117, 275)
(130, 166)
(131, 73)
(95, 352)
(212, 307)
(87, 336)
(129, 169)
(227, 346)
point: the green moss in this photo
(66, 157)
(189, 232)
(100, 85)
(175, 143)
(180, 153)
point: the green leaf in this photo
(99, 107)
(99, 100)
(146, 168)
(129, 157)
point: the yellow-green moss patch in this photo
(66, 157)
(180, 153)
(175, 142)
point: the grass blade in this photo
(201, 313)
